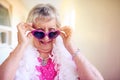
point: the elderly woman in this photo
(45, 51)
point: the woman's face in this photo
(44, 45)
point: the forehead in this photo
(45, 24)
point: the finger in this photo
(30, 36)
(62, 32)
(63, 35)
(66, 29)
(22, 29)
(66, 32)
(20, 25)
(29, 26)
(27, 33)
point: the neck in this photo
(44, 55)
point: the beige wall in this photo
(19, 14)
(98, 34)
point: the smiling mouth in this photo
(45, 42)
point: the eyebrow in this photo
(50, 29)
(40, 29)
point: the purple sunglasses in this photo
(39, 34)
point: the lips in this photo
(43, 42)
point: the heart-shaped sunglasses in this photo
(39, 34)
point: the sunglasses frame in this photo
(46, 34)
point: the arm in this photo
(86, 70)
(9, 66)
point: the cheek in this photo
(53, 41)
(36, 42)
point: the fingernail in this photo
(30, 24)
(27, 33)
(64, 33)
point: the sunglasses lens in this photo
(39, 35)
(53, 35)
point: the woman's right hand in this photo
(23, 28)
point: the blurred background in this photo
(95, 24)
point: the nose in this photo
(46, 38)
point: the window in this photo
(4, 16)
(5, 24)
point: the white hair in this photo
(45, 12)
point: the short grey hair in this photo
(44, 12)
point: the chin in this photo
(46, 47)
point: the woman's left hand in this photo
(66, 33)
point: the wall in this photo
(19, 14)
(98, 34)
